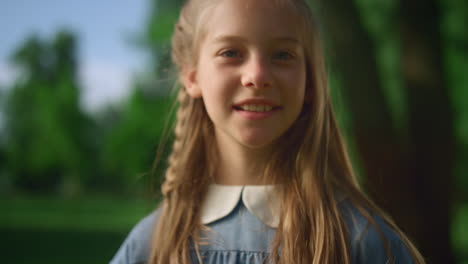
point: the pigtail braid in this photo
(177, 147)
(185, 184)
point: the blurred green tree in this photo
(46, 142)
(129, 147)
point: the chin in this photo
(257, 142)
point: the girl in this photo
(258, 171)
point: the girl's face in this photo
(251, 71)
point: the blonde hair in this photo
(312, 229)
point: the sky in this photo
(107, 58)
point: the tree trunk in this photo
(406, 181)
(431, 125)
(382, 154)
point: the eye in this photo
(231, 54)
(283, 55)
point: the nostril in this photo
(257, 85)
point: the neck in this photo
(238, 164)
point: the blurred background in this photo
(85, 96)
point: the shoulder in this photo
(366, 239)
(136, 247)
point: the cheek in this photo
(217, 98)
(295, 83)
(219, 88)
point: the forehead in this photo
(253, 20)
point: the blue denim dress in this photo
(240, 237)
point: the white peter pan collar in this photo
(260, 200)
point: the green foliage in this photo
(130, 143)
(460, 232)
(455, 17)
(45, 129)
(51, 145)
(380, 20)
(129, 148)
(161, 21)
(161, 27)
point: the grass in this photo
(50, 230)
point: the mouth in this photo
(256, 108)
(256, 105)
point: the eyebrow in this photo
(232, 38)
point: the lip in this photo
(256, 115)
(257, 101)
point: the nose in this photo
(257, 73)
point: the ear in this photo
(189, 80)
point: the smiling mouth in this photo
(256, 108)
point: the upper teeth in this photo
(256, 108)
